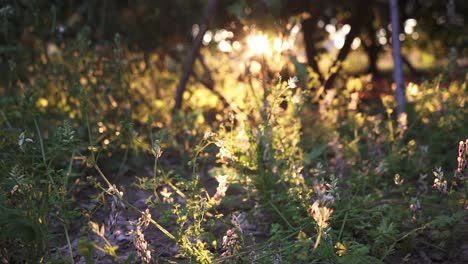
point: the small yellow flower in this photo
(340, 249)
(42, 103)
(398, 179)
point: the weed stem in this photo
(70, 250)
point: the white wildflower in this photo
(208, 134)
(292, 82)
(166, 194)
(321, 214)
(224, 154)
(439, 183)
(141, 245)
(156, 149)
(222, 188)
(22, 139)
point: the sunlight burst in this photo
(258, 44)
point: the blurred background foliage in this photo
(108, 71)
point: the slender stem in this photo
(155, 168)
(390, 128)
(99, 248)
(106, 241)
(70, 250)
(65, 183)
(281, 215)
(103, 176)
(6, 119)
(90, 138)
(177, 190)
(343, 225)
(404, 237)
(41, 142)
(155, 174)
(196, 156)
(276, 101)
(161, 228)
(319, 237)
(124, 160)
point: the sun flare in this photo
(258, 44)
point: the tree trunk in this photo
(372, 54)
(371, 48)
(397, 61)
(308, 29)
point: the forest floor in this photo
(164, 250)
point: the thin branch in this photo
(343, 53)
(193, 55)
(207, 71)
(356, 22)
(410, 66)
(210, 86)
(209, 83)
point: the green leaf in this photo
(86, 249)
(315, 153)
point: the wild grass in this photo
(289, 173)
